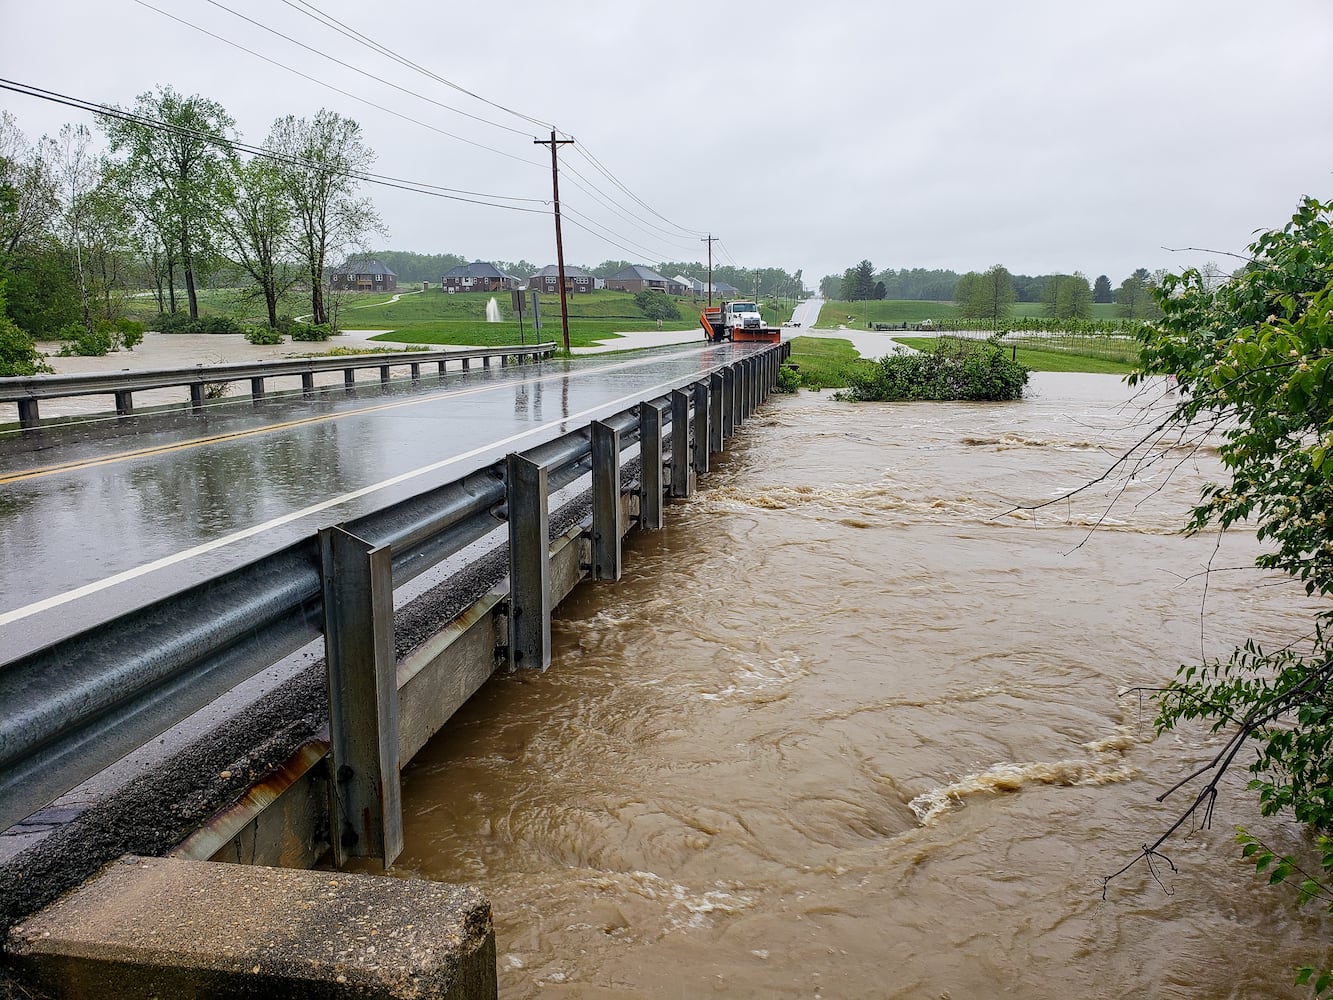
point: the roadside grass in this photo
(835, 313)
(822, 361)
(1043, 359)
(435, 317)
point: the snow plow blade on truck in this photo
(738, 321)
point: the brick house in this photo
(637, 278)
(577, 280)
(364, 275)
(479, 276)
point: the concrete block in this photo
(167, 927)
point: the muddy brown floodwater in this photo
(850, 728)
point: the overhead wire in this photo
(350, 32)
(338, 90)
(357, 69)
(347, 31)
(419, 187)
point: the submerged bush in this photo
(264, 336)
(18, 351)
(957, 369)
(81, 342)
(789, 379)
(311, 331)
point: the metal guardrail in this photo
(27, 391)
(74, 707)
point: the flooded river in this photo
(851, 727)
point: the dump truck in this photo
(739, 321)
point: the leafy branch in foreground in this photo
(1252, 360)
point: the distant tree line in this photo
(991, 294)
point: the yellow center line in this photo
(125, 456)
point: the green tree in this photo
(177, 169)
(1101, 289)
(256, 226)
(1067, 296)
(18, 352)
(987, 296)
(28, 200)
(323, 158)
(1133, 295)
(655, 305)
(1253, 361)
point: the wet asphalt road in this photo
(97, 518)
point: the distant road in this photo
(807, 313)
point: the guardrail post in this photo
(486, 361)
(728, 402)
(363, 697)
(529, 565)
(650, 462)
(606, 510)
(307, 384)
(124, 402)
(440, 371)
(196, 396)
(716, 392)
(702, 435)
(384, 375)
(28, 414)
(467, 364)
(680, 443)
(257, 390)
(349, 380)
(415, 369)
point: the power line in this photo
(336, 90)
(418, 187)
(352, 33)
(616, 181)
(611, 206)
(356, 69)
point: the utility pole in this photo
(555, 145)
(709, 240)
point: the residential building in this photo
(637, 278)
(364, 275)
(577, 280)
(479, 276)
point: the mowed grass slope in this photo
(835, 313)
(435, 317)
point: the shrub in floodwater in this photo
(789, 379)
(265, 336)
(311, 331)
(81, 342)
(958, 369)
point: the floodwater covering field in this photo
(854, 727)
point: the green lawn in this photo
(1042, 360)
(435, 317)
(821, 361)
(836, 313)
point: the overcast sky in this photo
(1045, 136)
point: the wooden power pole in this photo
(555, 145)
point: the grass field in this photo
(835, 313)
(822, 361)
(435, 317)
(1043, 358)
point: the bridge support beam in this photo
(717, 387)
(367, 815)
(607, 517)
(680, 443)
(650, 465)
(728, 402)
(702, 422)
(529, 564)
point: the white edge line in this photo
(57, 600)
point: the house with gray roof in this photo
(577, 280)
(479, 276)
(637, 278)
(361, 274)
